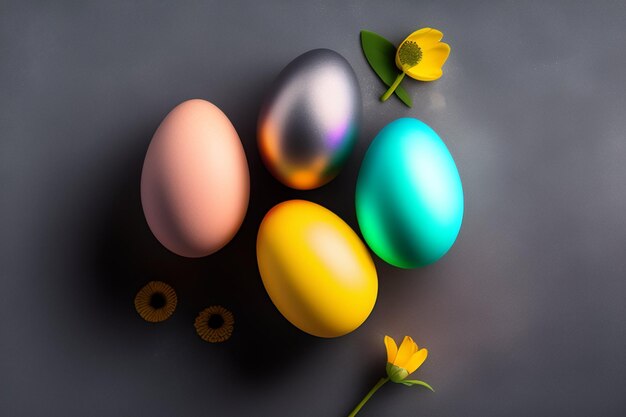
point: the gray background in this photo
(525, 316)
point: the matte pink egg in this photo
(195, 183)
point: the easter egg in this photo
(409, 197)
(308, 123)
(195, 181)
(316, 270)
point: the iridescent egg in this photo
(309, 122)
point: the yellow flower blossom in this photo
(403, 361)
(420, 56)
(400, 364)
(156, 302)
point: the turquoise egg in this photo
(409, 197)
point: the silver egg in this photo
(309, 122)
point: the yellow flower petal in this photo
(436, 55)
(407, 349)
(392, 349)
(416, 360)
(425, 73)
(425, 37)
(429, 68)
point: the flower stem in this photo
(393, 87)
(360, 405)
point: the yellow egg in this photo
(316, 270)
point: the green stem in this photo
(393, 87)
(360, 405)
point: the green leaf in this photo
(381, 55)
(411, 382)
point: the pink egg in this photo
(195, 182)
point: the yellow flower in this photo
(404, 361)
(156, 302)
(214, 324)
(400, 364)
(421, 55)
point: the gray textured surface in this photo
(525, 316)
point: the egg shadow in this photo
(263, 339)
(124, 255)
(115, 245)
